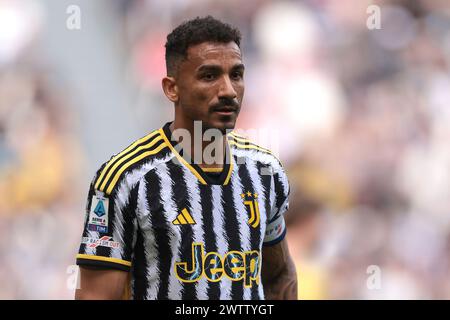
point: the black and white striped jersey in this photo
(184, 232)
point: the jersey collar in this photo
(203, 177)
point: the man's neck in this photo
(190, 128)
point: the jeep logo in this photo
(235, 265)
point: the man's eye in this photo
(237, 75)
(208, 76)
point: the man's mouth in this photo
(225, 110)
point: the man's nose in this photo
(227, 89)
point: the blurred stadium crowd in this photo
(361, 119)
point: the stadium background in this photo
(362, 118)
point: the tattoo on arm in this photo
(278, 273)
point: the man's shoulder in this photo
(132, 163)
(246, 149)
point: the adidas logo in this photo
(184, 218)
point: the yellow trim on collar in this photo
(180, 158)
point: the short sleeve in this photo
(109, 230)
(276, 227)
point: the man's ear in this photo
(170, 88)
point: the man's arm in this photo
(98, 284)
(279, 276)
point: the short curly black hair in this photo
(196, 31)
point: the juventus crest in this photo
(251, 202)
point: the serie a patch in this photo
(98, 215)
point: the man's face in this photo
(211, 85)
